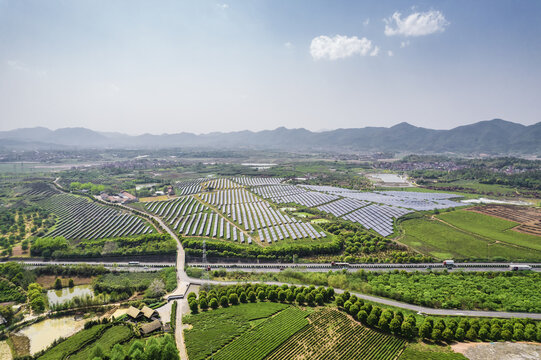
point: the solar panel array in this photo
(256, 215)
(377, 217)
(342, 206)
(354, 205)
(257, 181)
(293, 194)
(189, 187)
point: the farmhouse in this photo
(151, 326)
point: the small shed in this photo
(151, 326)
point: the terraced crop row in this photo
(333, 335)
(263, 339)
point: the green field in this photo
(112, 336)
(435, 238)
(478, 187)
(257, 343)
(349, 340)
(211, 330)
(491, 227)
(418, 351)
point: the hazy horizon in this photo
(221, 66)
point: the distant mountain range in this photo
(492, 137)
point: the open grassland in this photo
(331, 334)
(491, 227)
(112, 336)
(494, 189)
(257, 343)
(211, 330)
(440, 240)
(417, 351)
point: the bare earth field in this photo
(47, 281)
(499, 351)
(528, 218)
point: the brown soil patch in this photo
(20, 344)
(500, 350)
(47, 281)
(18, 251)
(529, 218)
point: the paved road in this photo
(324, 267)
(419, 309)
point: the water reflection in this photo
(61, 296)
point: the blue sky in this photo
(203, 66)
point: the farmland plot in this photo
(333, 335)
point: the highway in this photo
(276, 267)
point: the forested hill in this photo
(491, 137)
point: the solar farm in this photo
(80, 218)
(240, 208)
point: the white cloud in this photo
(366, 22)
(339, 47)
(223, 6)
(403, 44)
(416, 24)
(16, 65)
(390, 53)
(375, 52)
(289, 45)
(20, 66)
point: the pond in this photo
(61, 296)
(44, 333)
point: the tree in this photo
(58, 284)
(320, 300)
(242, 297)
(273, 295)
(300, 298)
(224, 301)
(193, 306)
(384, 322)
(362, 316)
(471, 334)
(213, 303)
(252, 297)
(407, 329)
(436, 334)
(117, 352)
(372, 319)
(157, 289)
(71, 283)
(97, 352)
(203, 303)
(170, 352)
(261, 295)
(395, 325)
(136, 346)
(234, 299)
(425, 331)
(460, 334)
(152, 351)
(448, 335)
(483, 333)
(506, 335)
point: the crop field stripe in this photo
(333, 335)
(260, 341)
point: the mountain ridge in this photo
(495, 136)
